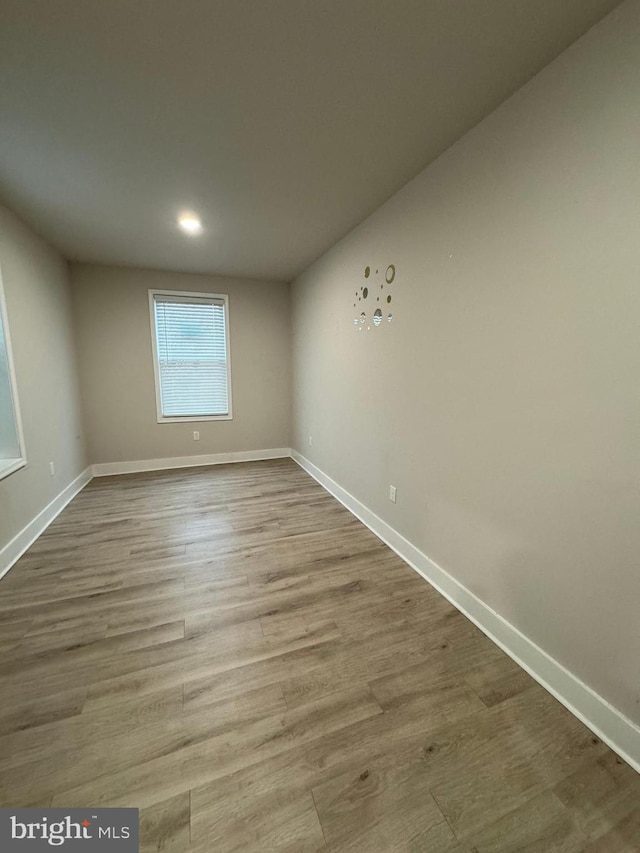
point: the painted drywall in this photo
(38, 297)
(116, 366)
(503, 401)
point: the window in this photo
(12, 455)
(190, 335)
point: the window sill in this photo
(10, 466)
(194, 419)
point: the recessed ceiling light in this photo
(190, 223)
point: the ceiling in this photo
(282, 123)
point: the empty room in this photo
(319, 426)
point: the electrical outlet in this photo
(392, 494)
(310, 440)
(196, 435)
(52, 469)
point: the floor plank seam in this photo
(315, 805)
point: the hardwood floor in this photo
(229, 650)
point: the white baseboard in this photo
(14, 549)
(616, 730)
(107, 469)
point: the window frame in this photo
(11, 465)
(174, 419)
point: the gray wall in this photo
(503, 400)
(116, 366)
(37, 290)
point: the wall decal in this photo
(386, 281)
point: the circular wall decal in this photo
(389, 318)
(363, 317)
(365, 292)
(367, 272)
(390, 273)
(377, 317)
(389, 298)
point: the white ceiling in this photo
(283, 123)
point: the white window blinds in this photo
(192, 355)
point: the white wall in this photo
(116, 365)
(503, 400)
(38, 296)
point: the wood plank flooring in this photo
(229, 650)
